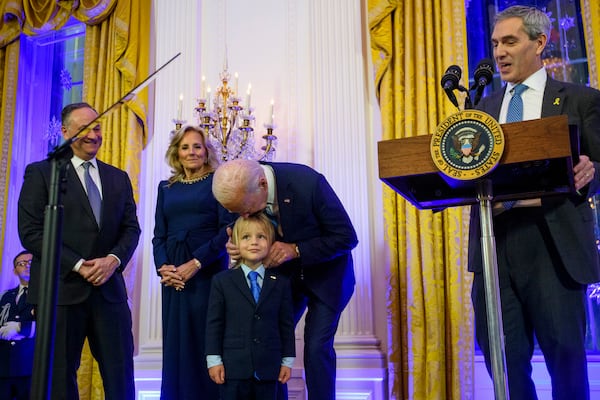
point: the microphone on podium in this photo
(450, 83)
(483, 75)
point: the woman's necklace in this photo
(194, 180)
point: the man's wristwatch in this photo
(198, 264)
(297, 250)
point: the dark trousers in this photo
(15, 388)
(248, 389)
(320, 325)
(108, 329)
(538, 298)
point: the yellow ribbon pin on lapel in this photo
(557, 101)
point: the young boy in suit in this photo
(250, 326)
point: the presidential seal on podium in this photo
(467, 145)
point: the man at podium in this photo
(546, 247)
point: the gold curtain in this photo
(431, 351)
(591, 24)
(11, 19)
(116, 60)
(117, 49)
(9, 69)
(30, 17)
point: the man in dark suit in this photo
(100, 234)
(546, 247)
(313, 249)
(17, 331)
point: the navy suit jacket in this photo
(250, 337)
(118, 233)
(16, 355)
(313, 217)
(570, 218)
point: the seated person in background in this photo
(17, 328)
(250, 323)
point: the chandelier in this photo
(229, 124)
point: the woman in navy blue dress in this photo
(189, 248)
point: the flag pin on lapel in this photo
(557, 101)
(273, 277)
(287, 201)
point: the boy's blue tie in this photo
(253, 276)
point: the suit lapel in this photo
(285, 201)
(107, 186)
(268, 284)
(76, 189)
(554, 98)
(494, 103)
(239, 280)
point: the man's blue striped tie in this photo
(514, 114)
(92, 192)
(515, 105)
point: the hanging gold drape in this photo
(116, 60)
(11, 20)
(9, 69)
(30, 17)
(590, 12)
(431, 340)
(117, 50)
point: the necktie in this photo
(22, 296)
(514, 114)
(272, 217)
(253, 276)
(92, 192)
(515, 105)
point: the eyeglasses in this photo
(23, 263)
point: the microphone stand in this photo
(468, 103)
(46, 309)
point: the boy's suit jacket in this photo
(251, 337)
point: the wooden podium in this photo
(540, 149)
(537, 161)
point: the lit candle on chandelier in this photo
(179, 107)
(271, 113)
(235, 86)
(248, 97)
(203, 91)
(208, 99)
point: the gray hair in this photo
(235, 179)
(535, 21)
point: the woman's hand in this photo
(171, 277)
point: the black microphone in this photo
(450, 81)
(483, 75)
(451, 77)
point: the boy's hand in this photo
(217, 374)
(285, 373)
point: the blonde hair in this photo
(242, 223)
(172, 155)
